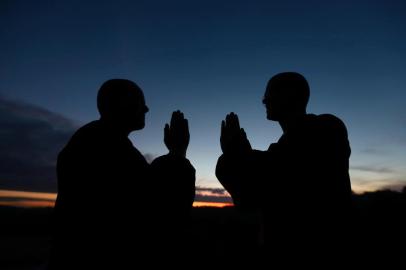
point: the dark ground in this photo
(218, 232)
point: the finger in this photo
(232, 123)
(186, 127)
(166, 130)
(235, 121)
(182, 123)
(174, 118)
(178, 117)
(244, 135)
(229, 121)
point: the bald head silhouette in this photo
(286, 96)
(121, 103)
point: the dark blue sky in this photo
(208, 58)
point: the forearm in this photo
(174, 179)
(238, 176)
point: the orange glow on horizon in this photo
(47, 203)
(28, 195)
(41, 199)
(28, 203)
(211, 204)
(27, 199)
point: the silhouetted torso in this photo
(301, 184)
(110, 198)
(310, 165)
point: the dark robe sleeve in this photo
(174, 181)
(243, 176)
(334, 156)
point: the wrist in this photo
(178, 154)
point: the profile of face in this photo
(122, 102)
(274, 105)
(286, 96)
(132, 111)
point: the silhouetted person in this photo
(301, 184)
(113, 208)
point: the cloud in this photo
(371, 168)
(30, 140)
(396, 186)
(206, 198)
(372, 151)
(220, 191)
(212, 195)
(361, 184)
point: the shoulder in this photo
(84, 136)
(169, 160)
(87, 131)
(328, 123)
(330, 119)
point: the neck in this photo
(115, 127)
(290, 123)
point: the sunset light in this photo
(211, 204)
(41, 199)
(26, 199)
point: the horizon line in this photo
(33, 199)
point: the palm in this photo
(176, 135)
(233, 138)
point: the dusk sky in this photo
(206, 58)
